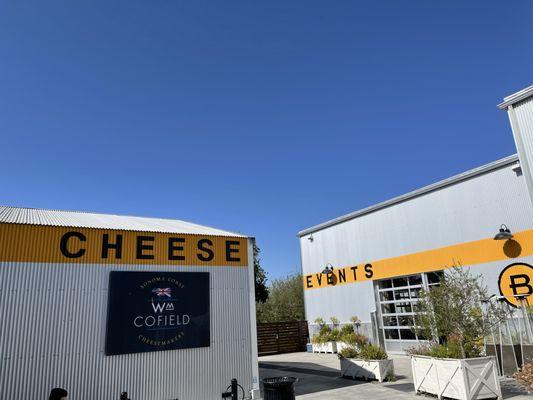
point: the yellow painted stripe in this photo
(463, 254)
(35, 243)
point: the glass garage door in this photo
(397, 298)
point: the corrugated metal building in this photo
(385, 254)
(55, 324)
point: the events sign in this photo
(464, 254)
(154, 311)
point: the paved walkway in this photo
(319, 378)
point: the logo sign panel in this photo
(516, 281)
(155, 311)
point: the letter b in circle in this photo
(515, 282)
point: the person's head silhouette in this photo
(58, 394)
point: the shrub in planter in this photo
(334, 335)
(325, 341)
(450, 349)
(347, 337)
(451, 314)
(368, 362)
(348, 352)
(525, 376)
(371, 352)
(346, 330)
(325, 332)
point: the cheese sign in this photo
(50, 244)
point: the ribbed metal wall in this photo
(465, 211)
(52, 334)
(521, 116)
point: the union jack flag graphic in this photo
(160, 292)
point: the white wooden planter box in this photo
(328, 347)
(373, 369)
(341, 346)
(462, 379)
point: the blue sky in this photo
(260, 117)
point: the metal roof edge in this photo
(74, 225)
(516, 97)
(415, 193)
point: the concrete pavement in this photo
(319, 378)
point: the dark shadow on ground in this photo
(312, 378)
(407, 387)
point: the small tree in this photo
(261, 289)
(285, 302)
(452, 312)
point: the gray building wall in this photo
(519, 107)
(467, 208)
(52, 334)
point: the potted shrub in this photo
(349, 338)
(451, 364)
(370, 362)
(325, 340)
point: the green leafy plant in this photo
(346, 330)
(318, 339)
(451, 313)
(320, 321)
(285, 301)
(326, 334)
(372, 352)
(355, 339)
(261, 289)
(367, 352)
(348, 352)
(450, 349)
(334, 322)
(334, 335)
(325, 331)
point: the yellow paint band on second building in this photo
(463, 254)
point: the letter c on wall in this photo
(64, 244)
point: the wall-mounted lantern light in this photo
(328, 270)
(311, 238)
(504, 233)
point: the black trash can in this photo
(279, 388)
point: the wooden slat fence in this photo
(282, 337)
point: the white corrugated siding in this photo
(466, 211)
(52, 333)
(522, 124)
(18, 215)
